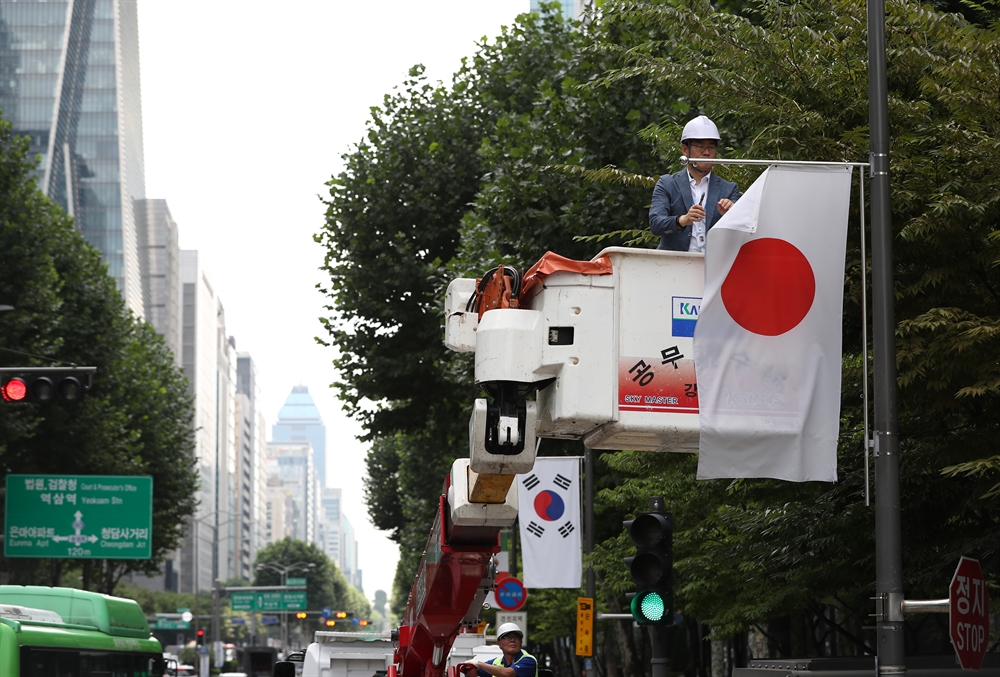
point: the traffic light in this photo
(341, 614)
(301, 614)
(330, 622)
(201, 636)
(363, 622)
(44, 384)
(652, 565)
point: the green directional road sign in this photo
(295, 581)
(79, 516)
(281, 600)
(242, 601)
(170, 624)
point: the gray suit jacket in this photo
(672, 199)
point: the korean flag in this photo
(549, 497)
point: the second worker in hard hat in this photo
(514, 663)
(688, 203)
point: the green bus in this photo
(63, 632)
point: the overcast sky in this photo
(247, 108)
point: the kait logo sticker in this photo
(685, 315)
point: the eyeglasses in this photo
(698, 147)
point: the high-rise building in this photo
(329, 521)
(337, 536)
(200, 352)
(69, 80)
(349, 553)
(291, 463)
(226, 443)
(161, 260)
(299, 421)
(250, 459)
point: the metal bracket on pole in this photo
(925, 606)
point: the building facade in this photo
(200, 360)
(292, 482)
(250, 471)
(69, 80)
(299, 422)
(161, 263)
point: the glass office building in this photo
(299, 421)
(69, 80)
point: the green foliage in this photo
(160, 601)
(137, 419)
(325, 583)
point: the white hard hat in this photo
(508, 628)
(700, 128)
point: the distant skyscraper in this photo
(291, 475)
(69, 79)
(250, 471)
(349, 553)
(330, 522)
(299, 421)
(160, 257)
(200, 353)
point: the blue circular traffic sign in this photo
(327, 612)
(511, 594)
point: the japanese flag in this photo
(549, 497)
(767, 344)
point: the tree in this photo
(137, 419)
(325, 583)
(450, 181)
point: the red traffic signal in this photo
(14, 389)
(363, 622)
(42, 385)
(301, 614)
(201, 635)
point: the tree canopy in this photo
(136, 420)
(325, 583)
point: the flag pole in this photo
(888, 539)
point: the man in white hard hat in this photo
(513, 663)
(688, 203)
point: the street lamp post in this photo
(283, 571)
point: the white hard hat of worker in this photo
(508, 628)
(700, 128)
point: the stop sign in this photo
(969, 614)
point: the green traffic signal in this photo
(652, 565)
(648, 607)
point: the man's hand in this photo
(724, 205)
(696, 213)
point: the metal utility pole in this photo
(588, 512)
(216, 635)
(888, 539)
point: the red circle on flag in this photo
(770, 287)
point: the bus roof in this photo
(114, 616)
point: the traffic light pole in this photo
(659, 662)
(888, 531)
(588, 527)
